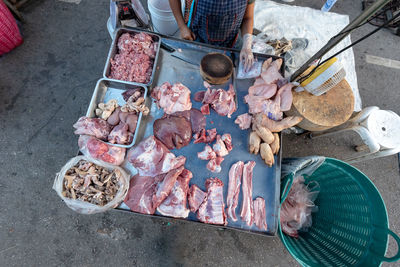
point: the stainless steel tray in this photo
(108, 89)
(114, 50)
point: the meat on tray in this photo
(92, 147)
(175, 205)
(244, 121)
(173, 131)
(134, 59)
(235, 178)
(151, 158)
(195, 197)
(96, 127)
(212, 210)
(247, 210)
(172, 98)
(222, 101)
(120, 134)
(260, 218)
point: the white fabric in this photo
(279, 20)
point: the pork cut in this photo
(197, 119)
(214, 165)
(90, 146)
(96, 127)
(220, 148)
(222, 101)
(175, 205)
(244, 121)
(246, 212)
(235, 177)
(120, 134)
(227, 138)
(260, 218)
(165, 182)
(173, 131)
(207, 154)
(212, 210)
(205, 136)
(172, 98)
(195, 197)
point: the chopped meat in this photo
(286, 96)
(197, 120)
(151, 158)
(272, 74)
(199, 96)
(175, 204)
(140, 194)
(172, 98)
(260, 218)
(223, 102)
(227, 141)
(201, 136)
(114, 117)
(235, 177)
(214, 165)
(195, 197)
(173, 131)
(212, 210)
(96, 127)
(246, 211)
(211, 135)
(165, 183)
(205, 109)
(90, 146)
(272, 108)
(276, 126)
(244, 121)
(220, 148)
(120, 134)
(134, 59)
(128, 93)
(207, 153)
(264, 90)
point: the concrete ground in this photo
(46, 84)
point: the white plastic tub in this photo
(162, 17)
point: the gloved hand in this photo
(246, 55)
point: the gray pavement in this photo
(46, 84)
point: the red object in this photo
(9, 32)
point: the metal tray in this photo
(114, 49)
(266, 181)
(108, 89)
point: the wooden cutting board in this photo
(326, 111)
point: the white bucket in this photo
(162, 17)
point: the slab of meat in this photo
(175, 205)
(272, 74)
(227, 138)
(96, 127)
(235, 178)
(197, 120)
(201, 137)
(151, 158)
(207, 154)
(195, 197)
(120, 134)
(174, 132)
(212, 210)
(214, 165)
(246, 213)
(244, 121)
(92, 147)
(260, 218)
(286, 96)
(220, 148)
(165, 183)
(172, 98)
(223, 102)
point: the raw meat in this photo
(264, 90)
(258, 81)
(272, 74)
(128, 93)
(90, 146)
(173, 131)
(276, 126)
(258, 104)
(195, 197)
(129, 118)
(235, 177)
(227, 141)
(260, 218)
(197, 120)
(201, 137)
(220, 148)
(96, 127)
(214, 165)
(223, 102)
(120, 134)
(135, 58)
(175, 204)
(172, 98)
(165, 183)
(114, 117)
(211, 135)
(140, 194)
(151, 158)
(247, 190)
(285, 93)
(207, 153)
(199, 96)
(205, 109)
(244, 121)
(212, 210)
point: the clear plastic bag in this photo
(253, 72)
(86, 207)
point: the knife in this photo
(184, 55)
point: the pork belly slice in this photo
(235, 177)
(260, 218)
(246, 213)
(212, 210)
(195, 197)
(175, 205)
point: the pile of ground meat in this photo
(134, 59)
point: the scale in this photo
(128, 14)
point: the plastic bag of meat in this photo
(84, 207)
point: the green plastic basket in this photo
(351, 225)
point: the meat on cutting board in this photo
(175, 205)
(222, 101)
(165, 183)
(172, 98)
(120, 134)
(212, 210)
(195, 197)
(207, 154)
(235, 178)
(173, 131)
(246, 212)
(151, 158)
(96, 127)
(244, 121)
(260, 218)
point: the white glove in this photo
(246, 55)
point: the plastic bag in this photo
(86, 207)
(253, 72)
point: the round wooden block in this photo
(326, 111)
(216, 68)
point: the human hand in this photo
(186, 33)
(246, 55)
